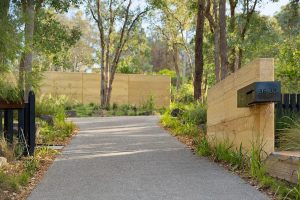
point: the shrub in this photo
(149, 106)
(57, 133)
(195, 113)
(184, 95)
(168, 121)
(86, 110)
(50, 105)
(10, 93)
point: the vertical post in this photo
(286, 102)
(8, 125)
(31, 122)
(293, 102)
(298, 102)
(1, 127)
(279, 107)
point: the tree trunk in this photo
(232, 27)
(175, 60)
(4, 8)
(205, 88)
(102, 54)
(239, 58)
(223, 39)
(217, 42)
(199, 62)
(26, 61)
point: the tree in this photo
(175, 24)
(289, 19)
(223, 39)
(161, 57)
(9, 37)
(30, 9)
(82, 53)
(111, 48)
(136, 55)
(54, 41)
(199, 62)
(213, 18)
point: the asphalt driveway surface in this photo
(133, 158)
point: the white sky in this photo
(271, 8)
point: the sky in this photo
(267, 8)
(270, 8)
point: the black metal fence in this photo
(289, 103)
(26, 129)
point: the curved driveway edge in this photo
(132, 158)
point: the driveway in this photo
(133, 158)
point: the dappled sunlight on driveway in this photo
(92, 154)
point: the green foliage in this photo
(288, 137)
(289, 19)
(10, 93)
(125, 69)
(171, 74)
(238, 159)
(188, 120)
(168, 121)
(51, 105)
(195, 113)
(44, 151)
(256, 166)
(86, 110)
(288, 65)
(52, 37)
(13, 182)
(61, 129)
(167, 72)
(185, 94)
(31, 165)
(203, 147)
(222, 151)
(56, 134)
(148, 108)
(296, 189)
(264, 46)
(8, 182)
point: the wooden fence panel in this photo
(289, 103)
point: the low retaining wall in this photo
(134, 89)
(246, 126)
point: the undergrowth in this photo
(13, 177)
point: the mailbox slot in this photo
(259, 93)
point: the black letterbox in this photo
(258, 93)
